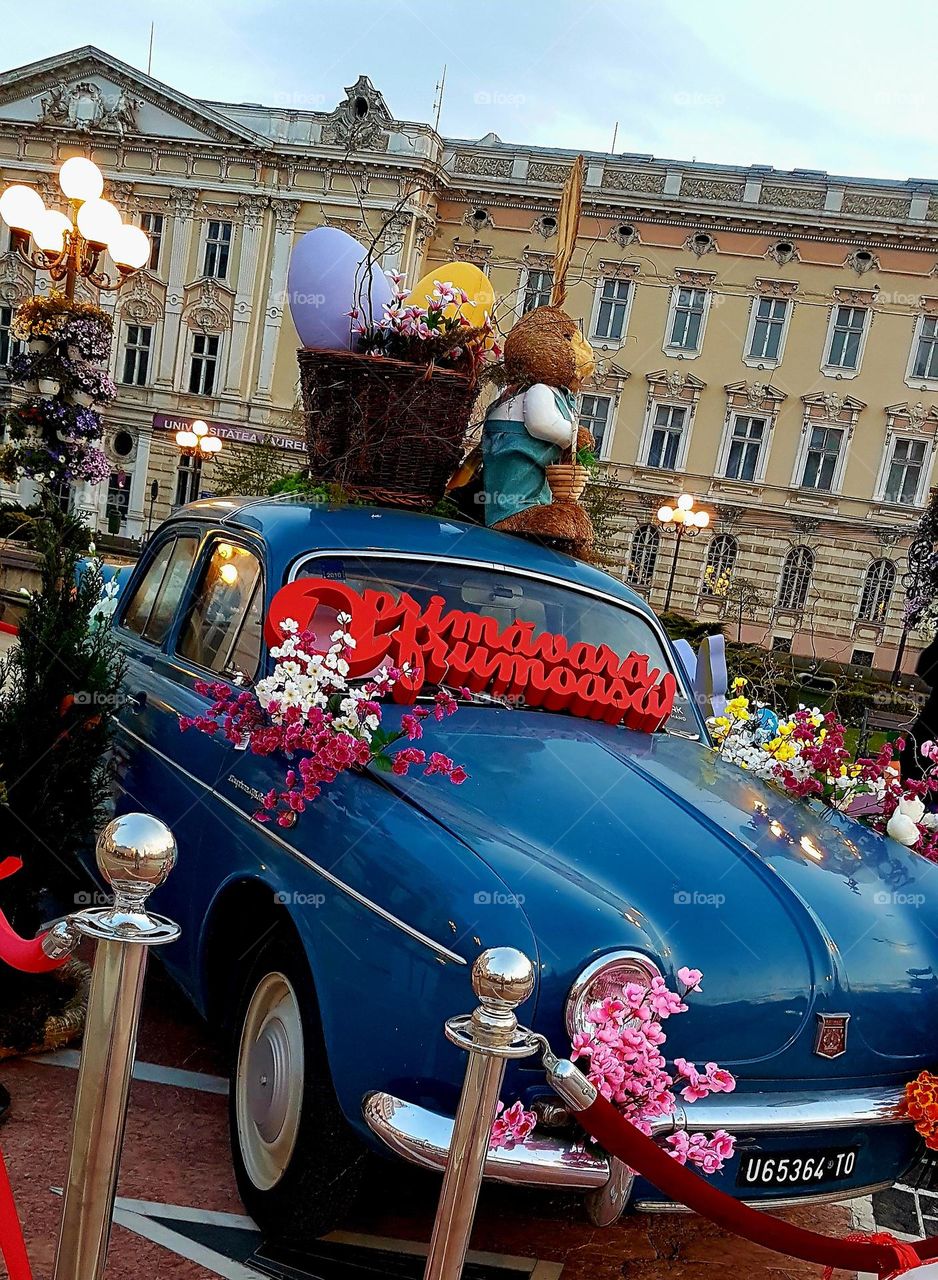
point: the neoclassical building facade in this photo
(766, 340)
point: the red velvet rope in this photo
(882, 1254)
(25, 954)
(12, 1246)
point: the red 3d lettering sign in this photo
(449, 646)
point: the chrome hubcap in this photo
(269, 1084)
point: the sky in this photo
(839, 85)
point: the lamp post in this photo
(72, 246)
(919, 552)
(195, 442)
(684, 522)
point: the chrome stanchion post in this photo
(502, 978)
(135, 854)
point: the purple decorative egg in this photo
(329, 276)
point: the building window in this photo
(613, 311)
(796, 579)
(9, 346)
(685, 327)
(845, 341)
(721, 561)
(204, 363)
(118, 498)
(822, 458)
(188, 479)
(924, 362)
(877, 591)
(152, 224)
(781, 644)
(767, 330)
(862, 657)
(904, 474)
(537, 290)
(137, 348)
(664, 445)
(595, 412)
(642, 556)
(747, 437)
(217, 250)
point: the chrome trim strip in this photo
(444, 953)
(779, 1202)
(366, 553)
(787, 1113)
(423, 1138)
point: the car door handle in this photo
(135, 702)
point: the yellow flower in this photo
(822, 735)
(785, 751)
(740, 682)
(786, 728)
(738, 708)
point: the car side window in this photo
(150, 612)
(224, 628)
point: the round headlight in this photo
(607, 976)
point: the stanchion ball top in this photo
(503, 973)
(136, 851)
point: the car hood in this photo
(610, 839)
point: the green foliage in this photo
(60, 687)
(249, 472)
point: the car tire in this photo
(297, 1162)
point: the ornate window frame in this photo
(826, 409)
(858, 299)
(908, 422)
(700, 280)
(612, 271)
(679, 390)
(929, 311)
(775, 290)
(748, 400)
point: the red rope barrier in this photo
(12, 1245)
(25, 954)
(882, 1254)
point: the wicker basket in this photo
(62, 1028)
(567, 481)
(386, 430)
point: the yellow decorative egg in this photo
(465, 276)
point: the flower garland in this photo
(308, 710)
(804, 755)
(626, 1065)
(921, 1106)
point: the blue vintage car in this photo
(331, 953)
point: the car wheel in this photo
(298, 1163)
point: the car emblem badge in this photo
(831, 1038)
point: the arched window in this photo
(644, 553)
(796, 578)
(877, 591)
(721, 561)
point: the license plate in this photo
(805, 1169)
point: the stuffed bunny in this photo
(533, 425)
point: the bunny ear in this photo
(568, 224)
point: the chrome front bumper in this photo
(552, 1161)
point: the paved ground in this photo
(179, 1216)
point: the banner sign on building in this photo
(229, 431)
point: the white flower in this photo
(912, 807)
(903, 825)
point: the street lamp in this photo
(72, 245)
(196, 441)
(684, 522)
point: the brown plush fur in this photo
(539, 349)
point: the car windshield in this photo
(509, 597)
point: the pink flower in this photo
(689, 978)
(719, 1079)
(511, 1125)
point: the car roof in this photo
(292, 526)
